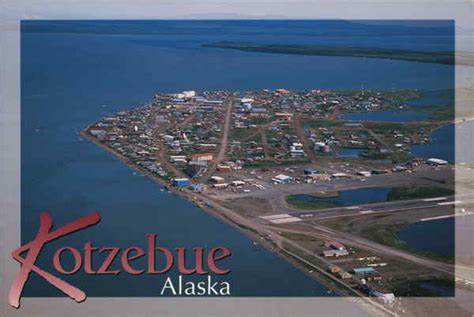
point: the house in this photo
(223, 168)
(335, 245)
(181, 182)
(217, 179)
(202, 157)
(178, 158)
(237, 183)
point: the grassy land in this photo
(394, 157)
(241, 133)
(391, 98)
(321, 123)
(386, 235)
(386, 128)
(274, 163)
(415, 192)
(334, 50)
(439, 111)
(293, 200)
(328, 194)
(259, 120)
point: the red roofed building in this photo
(202, 157)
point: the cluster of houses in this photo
(130, 135)
(361, 275)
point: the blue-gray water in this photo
(351, 197)
(435, 237)
(407, 114)
(76, 72)
(441, 145)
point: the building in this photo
(217, 179)
(246, 100)
(220, 186)
(436, 162)
(181, 182)
(246, 107)
(343, 275)
(198, 187)
(178, 158)
(196, 169)
(283, 179)
(387, 298)
(237, 183)
(364, 173)
(259, 111)
(202, 157)
(310, 171)
(334, 269)
(335, 245)
(296, 150)
(325, 148)
(284, 115)
(339, 175)
(189, 94)
(223, 168)
(335, 253)
(363, 270)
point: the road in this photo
(224, 141)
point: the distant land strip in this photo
(347, 51)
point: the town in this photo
(287, 169)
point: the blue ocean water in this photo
(76, 72)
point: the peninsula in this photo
(272, 164)
(336, 50)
